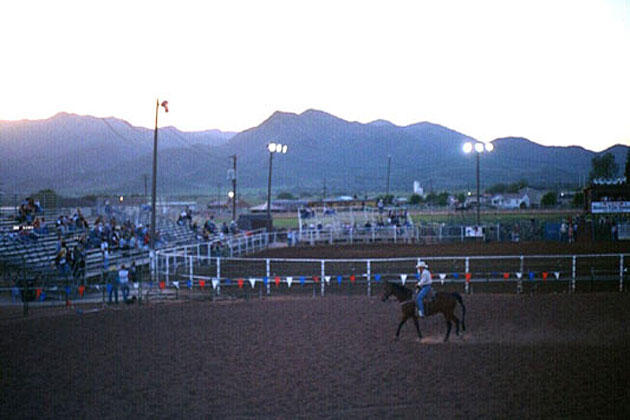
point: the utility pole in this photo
(146, 180)
(389, 164)
(219, 196)
(234, 189)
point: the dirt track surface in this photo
(332, 357)
(456, 249)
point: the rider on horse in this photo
(424, 285)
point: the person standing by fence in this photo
(123, 281)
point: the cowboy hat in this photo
(422, 264)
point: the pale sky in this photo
(554, 71)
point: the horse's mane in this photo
(400, 288)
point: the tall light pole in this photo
(153, 196)
(273, 148)
(478, 148)
(153, 186)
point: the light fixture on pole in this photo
(273, 148)
(478, 148)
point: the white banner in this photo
(610, 207)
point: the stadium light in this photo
(273, 148)
(478, 148)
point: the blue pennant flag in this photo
(68, 290)
(531, 275)
(150, 285)
(190, 284)
(302, 280)
(495, 274)
(339, 278)
(109, 288)
(228, 281)
(455, 275)
(377, 277)
(265, 280)
(42, 296)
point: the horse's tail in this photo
(461, 302)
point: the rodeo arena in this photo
(229, 319)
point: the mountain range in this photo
(78, 155)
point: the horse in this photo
(442, 302)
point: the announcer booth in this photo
(608, 202)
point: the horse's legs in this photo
(415, 321)
(449, 325)
(456, 324)
(404, 319)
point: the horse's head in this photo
(387, 290)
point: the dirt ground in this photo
(539, 356)
(522, 356)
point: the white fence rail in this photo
(563, 272)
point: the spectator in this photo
(123, 281)
(112, 281)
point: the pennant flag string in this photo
(403, 278)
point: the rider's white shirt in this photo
(425, 278)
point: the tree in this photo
(285, 196)
(415, 199)
(603, 167)
(550, 199)
(578, 200)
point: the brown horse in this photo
(442, 302)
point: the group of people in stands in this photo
(28, 208)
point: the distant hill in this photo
(82, 154)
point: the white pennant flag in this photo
(327, 278)
(215, 283)
(176, 284)
(135, 285)
(403, 278)
(519, 275)
(252, 281)
(442, 277)
(289, 281)
(98, 287)
(556, 274)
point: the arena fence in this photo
(182, 274)
(242, 277)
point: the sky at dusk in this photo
(555, 72)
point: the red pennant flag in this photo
(202, 283)
(162, 285)
(468, 277)
(544, 275)
(506, 275)
(240, 283)
(352, 279)
(81, 290)
(165, 105)
(277, 281)
(316, 279)
(38, 292)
